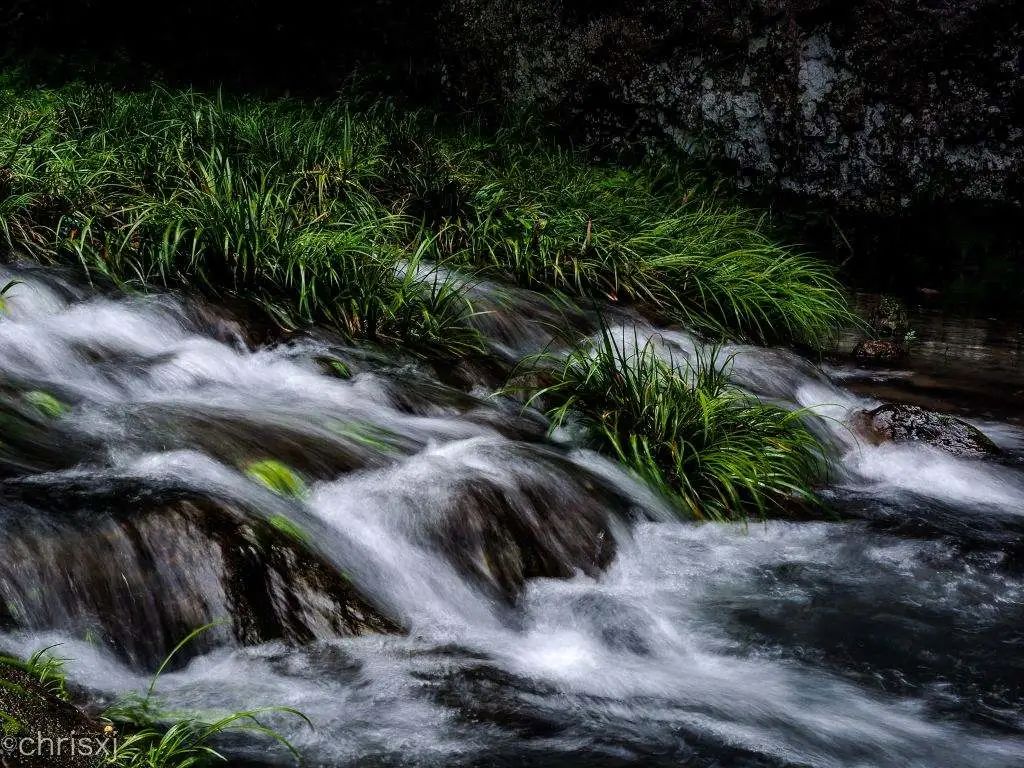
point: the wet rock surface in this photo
(32, 441)
(497, 512)
(139, 576)
(901, 423)
(883, 350)
(870, 106)
(500, 536)
(886, 643)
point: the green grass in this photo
(186, 744)
(652, 235)
(48, 670)
(714, 451)
(270, 202)
(5, 292)
(378, 223)
(157, 738)
(147, 735)
(353, 215)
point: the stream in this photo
(457, 588)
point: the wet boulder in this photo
(900, 423)
(141, 577)
(542, 516)
(34, 437)
(320, 449)
(879, 350)
(500, 540)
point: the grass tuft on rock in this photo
(715, 451)
(277, 477)
(46, 669)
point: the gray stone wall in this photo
(869, 105)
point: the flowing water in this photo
(456, 588)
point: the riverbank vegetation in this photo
(134, 732)
(350, 213)
(378, 222)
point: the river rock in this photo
(879, 350)
(141, 579)
(498, 512)
(32, 440)
(899, 423)
(553, 521)
(500, 541)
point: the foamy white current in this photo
(786, 643)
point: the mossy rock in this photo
(33, 437)
(29, 711)
(277, 477)
(900, 423)
(879, 351)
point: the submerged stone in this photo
(34, 439)
(899, 423)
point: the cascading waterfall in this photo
(455, 588)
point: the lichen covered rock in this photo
(879, 350)
(899, 423)
(871, 106)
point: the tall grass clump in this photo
(653, 235)
(376, 220)
(270, 202)
(186, 743)
(146, 734)
(715, 451)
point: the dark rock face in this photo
(873, 105)
(908, 423)
(870, 105)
